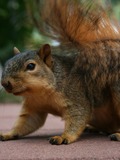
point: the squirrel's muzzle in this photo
(7, 85)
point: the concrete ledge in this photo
(36, 145)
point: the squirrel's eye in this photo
(30, 66)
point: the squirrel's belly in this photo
(105, 118)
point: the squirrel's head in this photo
(29, 71)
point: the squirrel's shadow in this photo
(40, 137)
(45, 137)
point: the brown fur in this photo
(78, 81)
(71, 21)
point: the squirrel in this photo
(78, 80)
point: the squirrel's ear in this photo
(45, 55)
(15, 50)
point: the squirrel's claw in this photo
(57, 140)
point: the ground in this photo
(36, 146)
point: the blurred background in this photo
(17, 29)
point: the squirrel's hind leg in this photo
(115, 91)
(115, 137)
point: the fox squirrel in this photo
(78, 80)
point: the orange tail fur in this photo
(72, 21)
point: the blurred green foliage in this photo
(116, 8)
(17, 30)
(14, 27)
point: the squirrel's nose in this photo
(7, 85)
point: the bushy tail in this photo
(72, 21)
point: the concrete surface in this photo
(36, 146)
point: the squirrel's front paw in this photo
(6, 137)
(57, 140)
